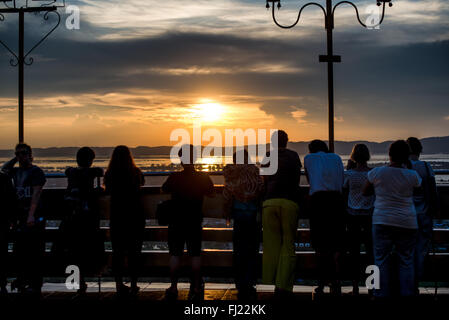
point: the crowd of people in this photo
(388, 210)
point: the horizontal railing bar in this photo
(217, 228)
(212, 173)
(149, 251)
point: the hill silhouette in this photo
(432, 145)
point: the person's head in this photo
(318, 146)
(282, 138)
(85, 157)
(360, 154)
(24, 154)
(415, 146)
(399, 152)
(187, 160)
(241, 155)
(121, 161)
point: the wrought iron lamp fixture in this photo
(330, 58)
(21, 58)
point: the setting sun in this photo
(208, 112)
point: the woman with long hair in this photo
(242, 194)
(359, 212)
(123, 181)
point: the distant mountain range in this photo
(433, 145)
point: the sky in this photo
(137, 70)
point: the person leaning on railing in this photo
(242, 202)
(123, 182)
(359, 212)
(426, 204)
(81, 226)
(187, 188)
(280, 219)
(325, 173)
(29, 246)
(394, 221)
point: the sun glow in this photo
(208, 112)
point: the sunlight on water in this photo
(207, 164)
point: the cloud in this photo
(147, 62)
(299, 115)
(117, 19)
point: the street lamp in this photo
(330, 58)
(21, 58)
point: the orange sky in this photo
(134, 73)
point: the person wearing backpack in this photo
(83, 222)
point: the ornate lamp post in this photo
(21, 58)
(330, 58)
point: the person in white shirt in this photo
(325, 173)
(360, 209)
(394, 220)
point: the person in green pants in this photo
(280, 219)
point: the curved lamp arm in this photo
(358, 15)
(6, 5)
(15, 59)
(30, 59)
(299, 14)
(53, 3)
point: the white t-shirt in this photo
(325, 171)
(394, 196)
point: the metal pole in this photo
(21, 65)
(330, 72)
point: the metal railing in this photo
(442, 172)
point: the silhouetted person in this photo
(280, 219)
(394, 220)
(83, 222)
(123, 181)
(426, 204)
(360, 210)
(187, 188)
(242, 194)
(7, 200)
(29, 246)
(325, 173)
